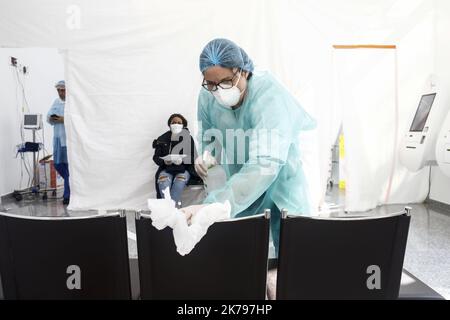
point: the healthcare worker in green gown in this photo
(266, 171)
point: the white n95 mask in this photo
(228, 97)
(176, 128)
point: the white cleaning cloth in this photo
(165, 214)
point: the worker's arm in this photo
(204, 121)
(54, 110)
(204, 124)
(270, 124)
(51, 112)
(193, 154)
(58, 119)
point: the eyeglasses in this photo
(224, 84)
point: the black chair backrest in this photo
(230, 262)
(64, 258)
(354, 258)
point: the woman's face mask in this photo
(176, 128)
(228, 97)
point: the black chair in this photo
(229, 263)
(195, 181)
(64, 258)
(343, 258)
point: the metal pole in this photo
(35, 177)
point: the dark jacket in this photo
(164, 146)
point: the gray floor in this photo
(427, 254)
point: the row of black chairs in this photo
(87, 258)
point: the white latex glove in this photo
(168, 162)
(203, 163)
(192, 210)
(201, 168)
(178, 162)
(188, 216)
(209, 160)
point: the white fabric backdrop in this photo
(370, 128)
(130, 64)
(366, 86)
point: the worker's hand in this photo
(178, 162)
(188, 216)
(200, 168)
(168, 162)
(192, 211)
(58, 119)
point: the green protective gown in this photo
(264, 171)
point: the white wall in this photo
(45, 68)
(117, 47)
(440, 188)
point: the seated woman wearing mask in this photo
(175, 153)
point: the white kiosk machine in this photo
(418, 146)
(443, 147)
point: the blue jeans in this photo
(176, 184)
(63, 170)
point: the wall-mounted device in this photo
(422, 114)
(417, 148)
(13, 61)
(32, 121)
(20, 68)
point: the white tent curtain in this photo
(130, 64)
(367, 82)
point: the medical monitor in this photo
(32, 121)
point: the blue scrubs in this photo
(59, 145)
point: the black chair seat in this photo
(64, 258)
(358, 258)
(230, 262)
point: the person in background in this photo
(174, 173)
(55, 117)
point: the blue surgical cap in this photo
(60, 84)
(224, 53)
